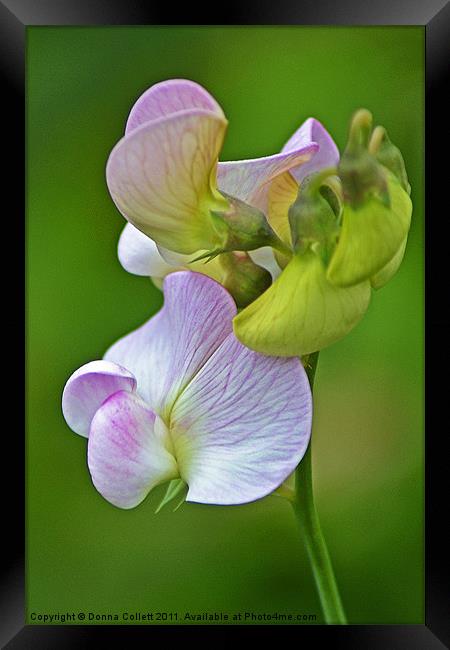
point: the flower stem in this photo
(306, 513)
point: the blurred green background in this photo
(82, 553)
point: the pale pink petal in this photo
(127, 455)
(327, 155)
(159, 177)
(169, 97)
(242, 425)
(166, 352)
(88, 387)
(249, 180)
(139, 254)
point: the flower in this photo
(181, 397)
(162, 177)
(328, 230)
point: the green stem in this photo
(306, 513)
(280, 246)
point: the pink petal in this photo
(248, 180)
(88, 388)
(169, 97)
(242, 425)
(159, 177)
(166, 352)
(127, 455)
(327, 155)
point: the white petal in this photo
(167, 351)
(265, 258)
(242, 425)
(139, 254)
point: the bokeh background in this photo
(82, 553)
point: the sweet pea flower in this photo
(165, 179)
(182, 398)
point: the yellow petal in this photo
(387, 272)
(370, 237)
(282, 194)
(301, 312)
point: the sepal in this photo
(175, 488)
(313, 217)
(241, 227)
(244, 279)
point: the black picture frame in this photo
(434, 15)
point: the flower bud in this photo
(377, 210)
(371, 235)
(244, 279)
(389, 155)
(313, 217)
(241, 227)
(358, 169)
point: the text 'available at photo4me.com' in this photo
(49, 618)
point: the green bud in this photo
(314, 216)
(359, 171)
(244, 279)
(370, 237)
(389, 155)
(242, 227)
(360, 130)
(377, 208)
